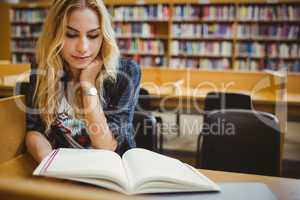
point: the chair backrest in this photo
(12, 123)
(23, 88)
(224, 100)
(144, 125)
(144, 101)
(220, 101)
(244, 141)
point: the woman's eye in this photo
(69, 35)
(93, 36)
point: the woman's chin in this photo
(79, 66)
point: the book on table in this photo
(137, 171)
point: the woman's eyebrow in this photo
(92, 30)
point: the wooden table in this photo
(6, 90)
(188, 96)
(10, 74)
(16, 182)
(191, 100)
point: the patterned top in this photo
(120, 98)
(67, 130)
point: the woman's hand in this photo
(90, 73)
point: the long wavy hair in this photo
(51, 63)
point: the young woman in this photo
(81, 94)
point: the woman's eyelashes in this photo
(91, 36)
(71, 35)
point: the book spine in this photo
(49, 161)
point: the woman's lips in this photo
(81, 58)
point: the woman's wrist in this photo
(87, 83)
(89, 91)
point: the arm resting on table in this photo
(37, 145)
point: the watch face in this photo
(90, 92)
(93, 91)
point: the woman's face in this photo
(83, 38)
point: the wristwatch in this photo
(92, 91)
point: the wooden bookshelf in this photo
(208, 34)
(5, 32)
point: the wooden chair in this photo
(145, 130)
(12, 123)
(16, 166)
(144, 105)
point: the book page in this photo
(85, 163)
(147, 167)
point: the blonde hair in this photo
(51, 63)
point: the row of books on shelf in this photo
(202, 30)
(269, 64)
(26, 45)
(121, 13)
(28, 15)
(244, 31)
(279, 31)
(150, 61)
(202, 63)
(139, 46)
(201, 48)
(270, 50)
(22, 58)
(268, 12)
(244, 12)
(149, 12)
(130, 29)
(25, 31)
(250, 49)
(244, 65)
(216, 64)
(283, 50)
(204, 12)
(187, 11)
(254, 31)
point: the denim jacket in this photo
(120, 98)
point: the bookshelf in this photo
(268, 36)
(217, 35)
(24, 25)
(142, 31)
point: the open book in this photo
(138, 171)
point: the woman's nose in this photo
(82, 45)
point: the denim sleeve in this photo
(33, 119)
(120, 118)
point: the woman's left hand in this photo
(90, 73)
